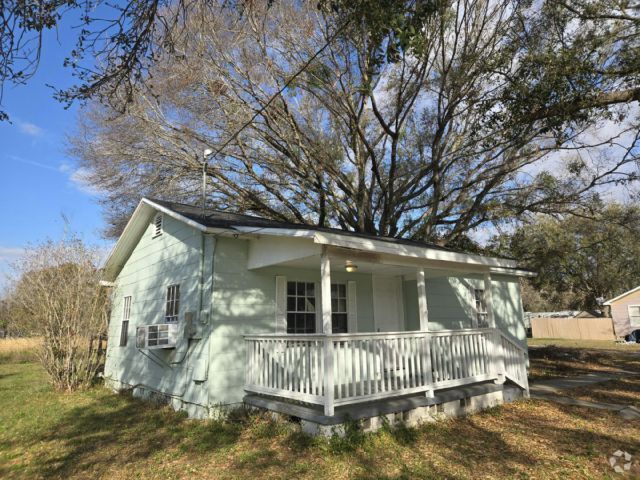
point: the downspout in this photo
(214, 246)
(201, 296)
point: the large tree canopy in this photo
(580, 259)
(116, 41)
(487, 110)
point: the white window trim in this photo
(631, 317)
(296, 296)
(127, 301)
(346, 302)
(175, 313)
(474, 306)
(281, 305)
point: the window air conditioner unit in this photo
(161, 335)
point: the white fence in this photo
(366, 366)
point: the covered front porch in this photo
(390, 359)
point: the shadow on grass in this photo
(117, 430)
(554, 361)
(6, 375)
(484, 444)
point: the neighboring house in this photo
(625, 311)
(213, 309)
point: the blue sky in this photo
(40, 182)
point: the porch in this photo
(345, 369)
(332, 370)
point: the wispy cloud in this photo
(35, 163)
(30, 129)
(79, 178)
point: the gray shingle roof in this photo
(220, 219)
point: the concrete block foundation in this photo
(411, 411)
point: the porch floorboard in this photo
(314, 413)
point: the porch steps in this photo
(314, 413)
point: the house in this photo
(212, 309)
(625, 312)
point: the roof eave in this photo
(615, 299)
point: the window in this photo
(301, 307)
(124, 328)
(173, 304)
(339, 308)
(157, 335)
(157, 224)
(634, 314)
(482, 319)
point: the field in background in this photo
(98, 434)
(18, 350)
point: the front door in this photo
(388, 311)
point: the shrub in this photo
(57, 286)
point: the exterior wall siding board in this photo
(156, 263)
(242, 301)
(620, 314)
(451, 306)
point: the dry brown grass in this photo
(560, 360)
(17, 350)
(96, 434)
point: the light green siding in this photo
(450, 303)
(235, 301)
(157, 262)
(244, 303)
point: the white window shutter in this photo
(352, 308)
(281, 304)
(472, 303)
(318, 295)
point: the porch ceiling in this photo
(305, 252)
(338, 264)
(370, 264)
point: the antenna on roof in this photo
(205, 158)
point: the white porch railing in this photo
(515, 362)
(366, 366)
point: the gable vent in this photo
(157, 224)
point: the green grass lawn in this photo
(95, 433)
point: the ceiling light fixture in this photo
(350, 267)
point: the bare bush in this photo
(57, 286)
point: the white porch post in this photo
(422, 300)
(498, 358)
(424, 327)
(325, 292)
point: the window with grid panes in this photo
(339, 308)
(482, 317)
(173, 304)
(124, 327)
(301, 307)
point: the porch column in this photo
(497, 356)
(422, 300)
(325, 309)
(423, 311)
